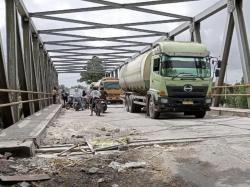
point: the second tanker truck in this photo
(172, 77)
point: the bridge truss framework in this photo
(31, 67)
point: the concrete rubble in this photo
(122, 167)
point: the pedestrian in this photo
(95, 94)
(64, 97)
(54, 94)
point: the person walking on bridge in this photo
(95, 94)
(54, 95)
(64, 96)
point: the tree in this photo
(94, 71)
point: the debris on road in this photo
(69, 149)
(122, 167)
(103, 129)
(90, 146)
(17, 178)
(23, 184)
(101, 180)
(93, 170)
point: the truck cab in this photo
(113, 89)
(180, 79)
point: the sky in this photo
(212, 29)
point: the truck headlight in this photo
(164, 100)
(208, 100)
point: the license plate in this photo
(187, 102)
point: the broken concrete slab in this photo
(21, 137)
(122, 167)
(18, 178)
(18, 148)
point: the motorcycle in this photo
(69, 104)
(100, 106)
(77, 104)
(104, 106)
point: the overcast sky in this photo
(212, 29)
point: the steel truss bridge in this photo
(31, 70)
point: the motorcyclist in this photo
(95, 94)
(78, 99)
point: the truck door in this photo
(155, 78)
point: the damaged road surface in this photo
(120, 149)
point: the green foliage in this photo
(235, 101)
(95, 71)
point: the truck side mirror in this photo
(217, 72)
(219, 63)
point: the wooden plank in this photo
(17, 178)
(90, 146)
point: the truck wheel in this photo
(127, 103)
(137, 108)
(131, 104)
(200, 114)
(151, 108)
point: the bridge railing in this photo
(233, 96)
(215, 88)
(41, 97)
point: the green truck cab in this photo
(172, 77)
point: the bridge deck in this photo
(221, 158)
(27, 131)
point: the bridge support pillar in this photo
(11, 38)
(243, 45)
(227, 40)
(195, 32)
(36, 58)
(235, 19)
(5, 113)
(27, 60)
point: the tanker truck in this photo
(171, 77)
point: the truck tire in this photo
(151, 108)
(131, 104)
(200, 114)
(137, 108)
(127, 103)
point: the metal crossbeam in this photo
(87, 54)
(98, 25)
(139, 9)
(92, 54)
(87, 48)
(106, 46)
(109, 38)
(90, 38)
(146, 3)
(86, 59)
(222, 4)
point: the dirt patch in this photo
(94, 170)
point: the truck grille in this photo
(178, 91)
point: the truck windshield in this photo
(185, 67)
(111, 85)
